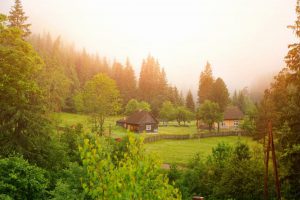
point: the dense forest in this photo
(41, 75)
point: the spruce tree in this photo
(18, 19)
(205, 84)
(190, 104)
(220, 94)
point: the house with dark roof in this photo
(139, 121)
(232, 118)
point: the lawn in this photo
(181, 151)
(173, 128)
(69, 119)
(170, 151)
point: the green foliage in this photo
(20, 180)
(52, 79)
(209, 112)
(70, 138)
(281, 106)
(23, 127)
(220, 94)
(18, 19)
(190, 104)
(68, 187)
(167, 112)
(125, 80)
(133, 105)
(130, 177)
(101, 98)
(152, 84)
(184, 115)
(231, 172)
(205, 84)
(248, 125)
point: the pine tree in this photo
(18, 19)
(220, 94)
(152, 84)
(190, 104)
(129, 82)
(205, 84)
(181, 100)
(234, 99)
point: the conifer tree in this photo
(190, 104)
(18, 19)
(220, 94)
(205, 84)
(129, 82)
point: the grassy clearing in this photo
(174, 129)
(181, 151)
(69, 119)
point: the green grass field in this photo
(69, 119)
(170, 151)
(181, 151)
(172, 128)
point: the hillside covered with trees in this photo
(42, 75)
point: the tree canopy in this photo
(100, 98)
(17, 18)
(209, 112)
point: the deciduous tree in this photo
(209, 112)
(101, 98)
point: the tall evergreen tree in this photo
(152, 84)
(129, 82)
(23, 127)
(18, 19)
(205, 84)
(220, 94)
(190, 104)
(181, 100)
(234, 99)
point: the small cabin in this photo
(139, 121)
(232, 118)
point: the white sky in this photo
(242, 39)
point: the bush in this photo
(20, 180)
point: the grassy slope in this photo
(181, 151)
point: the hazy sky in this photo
(242, 39)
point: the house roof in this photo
(141, 117)
(233, 112)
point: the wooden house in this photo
(232, 118)
(140, 121)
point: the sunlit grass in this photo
(70, 119)
(181, 151)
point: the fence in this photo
(154, 138)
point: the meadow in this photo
(181, 151)
(169, 151)
(68, 119)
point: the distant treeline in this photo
(67, 70)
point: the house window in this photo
(223, 124)
(148, 127)
(236, 123)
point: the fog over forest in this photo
(245, 41)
